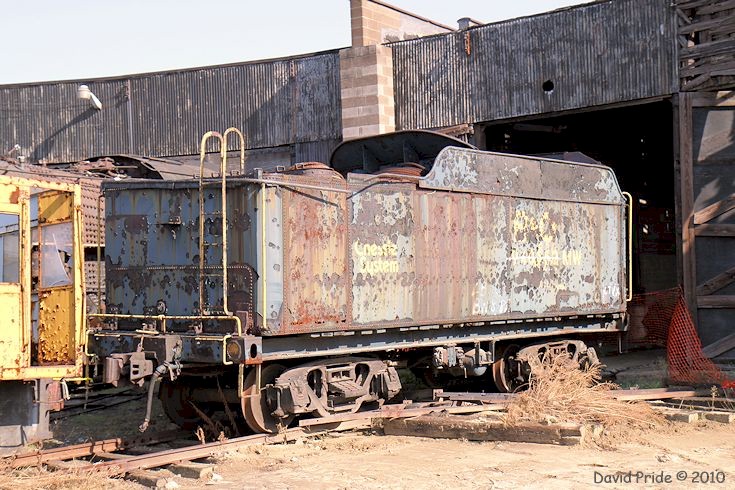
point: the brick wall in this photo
(366, 77)
(375, 22)
(366, 69)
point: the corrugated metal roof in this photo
(275, 102)
(594, 54)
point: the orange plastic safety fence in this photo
(662, 318)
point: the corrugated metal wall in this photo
(51, 124)
(277, 102)
(595, 54)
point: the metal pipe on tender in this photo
(252, 180)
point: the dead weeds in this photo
(41, 478)
(560, 392)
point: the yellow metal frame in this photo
(629, 272)
(202, 241)
(15, 194)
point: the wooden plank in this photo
(690, 4)
(685, 20)
(708, 401)
(722, 46)
(704, 68)
(716, 301)
(714, 210)
(696, 82)
(715, 7)
(652, 394)
(483, 430)
(398, 412)
(720, 346)
(715, 229)
(716, 283)
(705, 24)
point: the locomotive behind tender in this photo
(411, 249)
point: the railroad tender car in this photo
(411, 249)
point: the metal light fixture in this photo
(83, 92)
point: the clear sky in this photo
(76, 39)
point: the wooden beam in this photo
(720, 346)
(705, 24)
(722, 46)
(652, 394)
(690, 4)
(450, 427)
(715, 229)
(684, 137)
(714, 210)
(684, 17)
(703, 68)
(715, 7)
(716, 301)
(714, 99)
(716, 283)
(696, 82)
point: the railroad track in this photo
(136, 458)
(83, 403)
(117, 456)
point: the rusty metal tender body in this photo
(444, 271)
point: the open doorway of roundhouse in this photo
(637, 142)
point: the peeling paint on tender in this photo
(518, 238)
(462, 169)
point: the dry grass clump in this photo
(40, 478)
(561, 392)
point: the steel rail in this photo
(86, 449)
(198, 451)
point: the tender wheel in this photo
(507, 371)
(254, 406)
(175, 399)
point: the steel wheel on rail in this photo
(176, 403)
(508, 371)
(255, 406)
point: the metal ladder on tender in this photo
(208, 240)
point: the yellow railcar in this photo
(42, 314)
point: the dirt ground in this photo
(368, 460)
(371, 461)
(672, 456)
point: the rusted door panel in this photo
(383, 256)
(315, 276)
(491, 296)
(56, 327)
(446, 265)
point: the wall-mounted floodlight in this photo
(83, 92)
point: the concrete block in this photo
(685, 417)
(721, 417)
